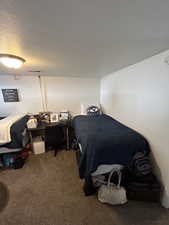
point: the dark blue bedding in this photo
(104, 140)
(17, 133)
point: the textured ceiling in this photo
(82, 37)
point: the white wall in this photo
(29, 94)
(69, 93)
(138, 96)
(61, 93)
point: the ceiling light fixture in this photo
(11, 61)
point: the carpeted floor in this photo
(48, 191)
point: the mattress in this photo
(7, 150)
(18, 133)
(106, 141)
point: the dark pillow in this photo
(93, 110)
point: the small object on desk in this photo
(64, 115)
(44, 117)
(32, 122)
(54, 117)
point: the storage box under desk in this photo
(38, 145)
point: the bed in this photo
(18, 135)
(104, 142)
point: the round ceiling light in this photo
(11, 61)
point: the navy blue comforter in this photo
(104, 140)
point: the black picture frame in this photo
(10, 95)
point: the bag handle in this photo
(118, 171)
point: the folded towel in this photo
(5, 126)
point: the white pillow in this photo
(84, 107)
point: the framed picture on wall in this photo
(10, 95)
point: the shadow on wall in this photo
(4, 196)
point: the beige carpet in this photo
(47, 191)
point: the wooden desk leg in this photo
(31, 139)
(67, 138)
(56, 151)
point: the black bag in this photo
(14, 160)
(146, 188)
(18, 163)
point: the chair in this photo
(54, 137)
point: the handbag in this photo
(112, 194)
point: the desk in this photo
(48, 133)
